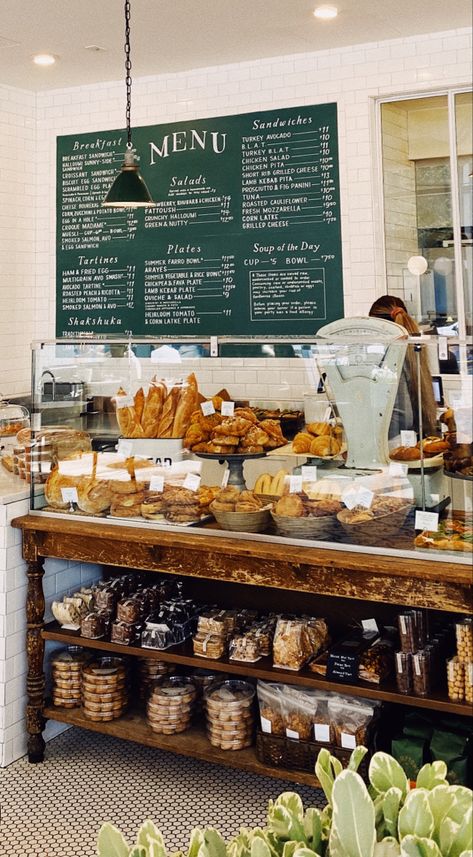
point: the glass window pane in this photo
(464, 133)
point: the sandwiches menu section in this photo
(244, 238)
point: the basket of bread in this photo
(164, 411)
(241, 434)
(368, 526)
(319, 440)
(297, 516)
(240, 511)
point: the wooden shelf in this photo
(133, 727)
(263, 669)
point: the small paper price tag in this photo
(156, 483)
(398, 468)
(295, 484)
(322, 732)
(348, 741)
(125, 448)
(227, 409)
(408, 438)
(69, 495)
(443, 347)
(192, 482)
(207, 408)
(290, 733)
(124, 401)
(266, 725)
(309, 473)
(357, 496)
(225, 478)
(426, 521)
(369, 625)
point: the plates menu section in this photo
(244, 239)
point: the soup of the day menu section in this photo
(244, 240)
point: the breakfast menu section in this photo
(244, 238)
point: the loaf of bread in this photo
(186, 406)
(166, 422)
(93, 495)
(153, 408)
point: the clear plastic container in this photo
(456, 680)
(403, 663)
(469, 682)
(464, 634)
(408, 634)
(421, 673)
(13, 418)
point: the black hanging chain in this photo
(129, 144)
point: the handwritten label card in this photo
(207, 408)
(426, 521)
(408, 438)
(156, 483)
(192, 482)
(227, 409)
(69, 495)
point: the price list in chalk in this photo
(288, 179)
(86, 177)
(100, 289)
(244, 238)
(188, 284)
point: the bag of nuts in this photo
(270, 707)
(299, 708)
(351, 720)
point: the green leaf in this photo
(327, 768)
(441, 800)
(416, 846)
(432, 775)
(356, 758)
(111, 842)
(464, 837)
(448, 835)
(214, 843)
(313, 828)
(302, 851)
(259, 848)
(290, 848)
(391, 804)
(292, 802)
(385, 772)
(463, 801)
(353, 824)
(415, 817)
(138, 851)
(388, 847)
(195, 843)
(466, 854)
(286, 817)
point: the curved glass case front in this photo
(330, 442)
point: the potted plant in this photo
(386, 819)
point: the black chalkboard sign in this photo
(244, 240)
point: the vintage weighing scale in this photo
(362, 379)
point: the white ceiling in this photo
(175, 35)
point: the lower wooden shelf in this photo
(263, 669)
(132, 726)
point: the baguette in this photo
(153, 408)
(125, 416)
(168, 413)
(139, 399)
(186, 406)
(277, 484)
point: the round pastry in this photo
(53, 488)
(153, 507)
(290, 505)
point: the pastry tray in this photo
(288, 451)
(429, 463)
(461, 476)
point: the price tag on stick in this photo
(192, 482)
(207, 408)
(227, 409)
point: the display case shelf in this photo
(132, 726)
(262, 669)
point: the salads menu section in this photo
(244, 240)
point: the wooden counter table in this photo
(273, 566)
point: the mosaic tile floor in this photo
(55, 809)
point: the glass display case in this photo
(318, 442)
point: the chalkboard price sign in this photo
(244, 239)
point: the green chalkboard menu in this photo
(244, 240)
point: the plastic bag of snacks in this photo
(350, 720)
(270, 708)
(292, 646)
(323, 729)
(299, 709)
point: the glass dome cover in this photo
(12, 418)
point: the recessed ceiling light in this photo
(44, 59)
(326, 13)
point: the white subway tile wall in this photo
(351, 76)
(60, 577)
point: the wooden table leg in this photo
(35, 680)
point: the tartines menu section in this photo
(244, 238)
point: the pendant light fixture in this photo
(129, 189)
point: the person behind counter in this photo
(406, 408)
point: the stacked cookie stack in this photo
(230, 720)
(171, 705)
(104, 689)
(151, 673)
(66, 668)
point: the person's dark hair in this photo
(394, 309)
